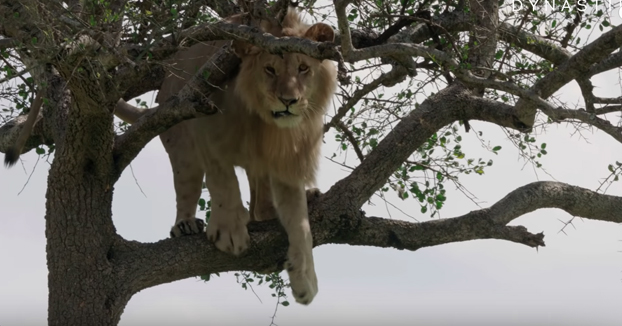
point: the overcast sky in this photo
(575, 280)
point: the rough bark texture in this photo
(79, 227)
(93, 272)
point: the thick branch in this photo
(174, 259)
(590, 118)
(136, 82)
(449, 105)
(223, 8)
(611, 62)
(574, 200)
(344, 27)
(57, 98)
(459, 21)
(533, 43)
(483, 37)
(6, 43)
(9, 133)
(577, 66)
(450, 21)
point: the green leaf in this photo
(499, 54)
(285, 303)
(496, 148)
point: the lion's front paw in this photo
(302, 278)
(227, 230)
(187, 227)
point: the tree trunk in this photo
(83, 287)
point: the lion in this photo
(270, 124)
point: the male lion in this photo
(270, 124)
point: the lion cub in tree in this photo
(270, 124)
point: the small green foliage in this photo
(206, 278)
(245, 278)
(615, 170)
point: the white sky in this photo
(575, 280)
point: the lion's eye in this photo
(270, 70)
(303, 68)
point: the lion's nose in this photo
(288, 101)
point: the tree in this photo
(481, 63)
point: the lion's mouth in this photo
(281, 114)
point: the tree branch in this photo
(6, 43)
(574, 200)
(575, 67)
(9, 133)
(608, 109)
(344, 27)
(223, 8)
(192, 99)
(350, 136)
(460, 21)
(590, 118)
(611, 62)
(450, 21)
(174, 259)
(579, 64)
(483, 38)
(396, 75)
(449, 105)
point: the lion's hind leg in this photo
(261, 205)
(187, 177)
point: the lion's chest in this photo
(245, 141)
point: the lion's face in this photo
(286, 90)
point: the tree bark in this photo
(83, 289)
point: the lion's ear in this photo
(243, 49)
(320, 32)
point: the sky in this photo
(575, 280)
